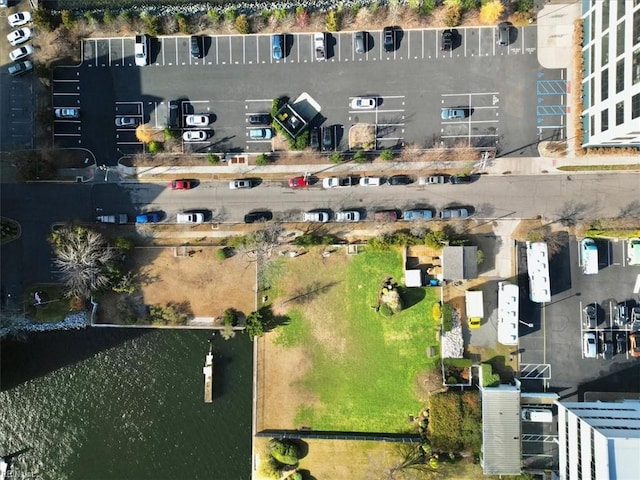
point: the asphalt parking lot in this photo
(511, 101)
(562, 321)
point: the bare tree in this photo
(84, 259)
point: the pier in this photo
(207, 370)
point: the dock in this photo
(207, 370)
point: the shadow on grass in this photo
(501, 368)
(411, 296)
(270, 320)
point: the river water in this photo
(106, 403)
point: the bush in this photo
(302, 140)
(385, 310)
(230, 317)
(183, 23)
(171, 314)
(387, 155)
(332, 21)
(262, 159)
(221, 254)
(489, 379)
(452, 16)
(124, 244)
(213, 159)
(169, 134)
(455, 421)
(230, 15)
(280, 14)
(302, 16)
(107, 17)
(491, 12)
(359, 157)
(284, 451)
(447, 317)
(436, 239)
(68, 18)
(152, 25)
(155, 147)
(307, 240)
(524, 6)
(241, 24)
(336, 157)
(214, 17)
(436, 312)
(44, 20)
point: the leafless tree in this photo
(84, 258)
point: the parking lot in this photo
(557, 336)
(511, 102)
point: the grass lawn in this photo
(54, 308)
(363, 366)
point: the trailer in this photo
(475, 308)
(119, 219)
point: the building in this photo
(459, 263)
(599, 440)
(611, 84)
(538, 269)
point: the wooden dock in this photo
(207, 370)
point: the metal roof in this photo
(501, 447)
(460, 262)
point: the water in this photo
(126, 404)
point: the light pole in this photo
(106, 171)
(530, 325)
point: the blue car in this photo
(418, 214)
(148, 218)
(453, 113)
(277, 44)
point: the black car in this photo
(173, 116)
(460, 179)
(399, 180)
(621, 342)
(260, 119)
(314, 140)
(446, 42)
(196, 46)
(327, 138)
(389, 35)
(258, 216)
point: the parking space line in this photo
(472, 93)
(109, 55)
(470, 136)
(244, 48)
(297, 45)
(422, 44)
(63, 94)
(257, 50)
(217, 56)
(176, 51)
(66, 134)
(95, 49)
(390, 124)
(122, 49)
(338, 43)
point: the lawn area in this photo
(361, 369)
(55, 307)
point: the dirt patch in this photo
(362, 137)
(208, 285)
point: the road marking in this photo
(65, 94)
(423, 44)
(259, 100)
(66, 81)
(636, 288)
(66, 134)
(390, 124)
(176, 50)
(217, 56)
(95, 52)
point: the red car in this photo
(298, 182)
(179, 185)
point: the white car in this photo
(197, 120)
(19, 19)
(19, 36)
(190, 218)
(370, 181)
(363, 103)
(194, 136)
(67, 112)
(140, 50)
(316, 216)
(241, 183)
(348, 216)
(21, 52)
(20, 68)
(590, 345)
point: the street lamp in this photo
(106, 171)
(530, 325)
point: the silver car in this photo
(316, 216)
(241, 183)
(348, 216)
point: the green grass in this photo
(371, 384)
(588, 168)
(55, 308)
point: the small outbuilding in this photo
(459, 263)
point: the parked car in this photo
(118, 219)
(240, 183)
(590, 315)
(197, 120)
(589, 345)
(19, 36)
(327, 138)
(460, 179)
(316, 216)
(370, 181)
(314, 139)
(607, 345)
(363, 103)
(20, 52)
(453, 113)
(260, 133)
(189, 217)
(389, 39)
(635, 314)
(152, 217)
(336, 182)
(385, 215)
(417, 214)
(634, 344)
(140, 50)
(173, 114)
(455, 212)
(4, 3)
(621, 342)
(446, 40)
(433, 180)
(621, 314)
(504, 32)
(348, 216)
(258, 216)
(400, 180)
(20, 68)
(194, 136)
(298, 182)
(179, 185)
(127, 122)
(358, 42)
(260, 119)
(18, 19)
(277, 46)
(319, 46)
(66, 112)
(196, 46)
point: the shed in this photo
(460, 262)
(413, 278)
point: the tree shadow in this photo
(501, 368)
(306, 293)
(306, 475)
(270, 320)
(411, 296)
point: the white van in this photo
(589, 256)
(539, 416)
(190, 218)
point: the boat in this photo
(207, 370)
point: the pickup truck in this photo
(119, 219)
(319, 46)
(337, 182)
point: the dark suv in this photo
(173, 115)
(327, 138)
(260, 119)
(196, 46)
(389, 34)
(446, 42)
(314, 141)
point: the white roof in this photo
(508, 312)
(538, 269)
(413, 278)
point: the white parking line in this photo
(122, 49)
(338, 44)
(217, 56)
(470, 136)
(636, 287)
(95, 49)
(176, 51)
(65, 94)
(298, 46)
(65, 81)
(472, 93)
(390, 124)
(257, 51)
(244, 49)
(66, 134)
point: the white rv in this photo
(589, 256)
